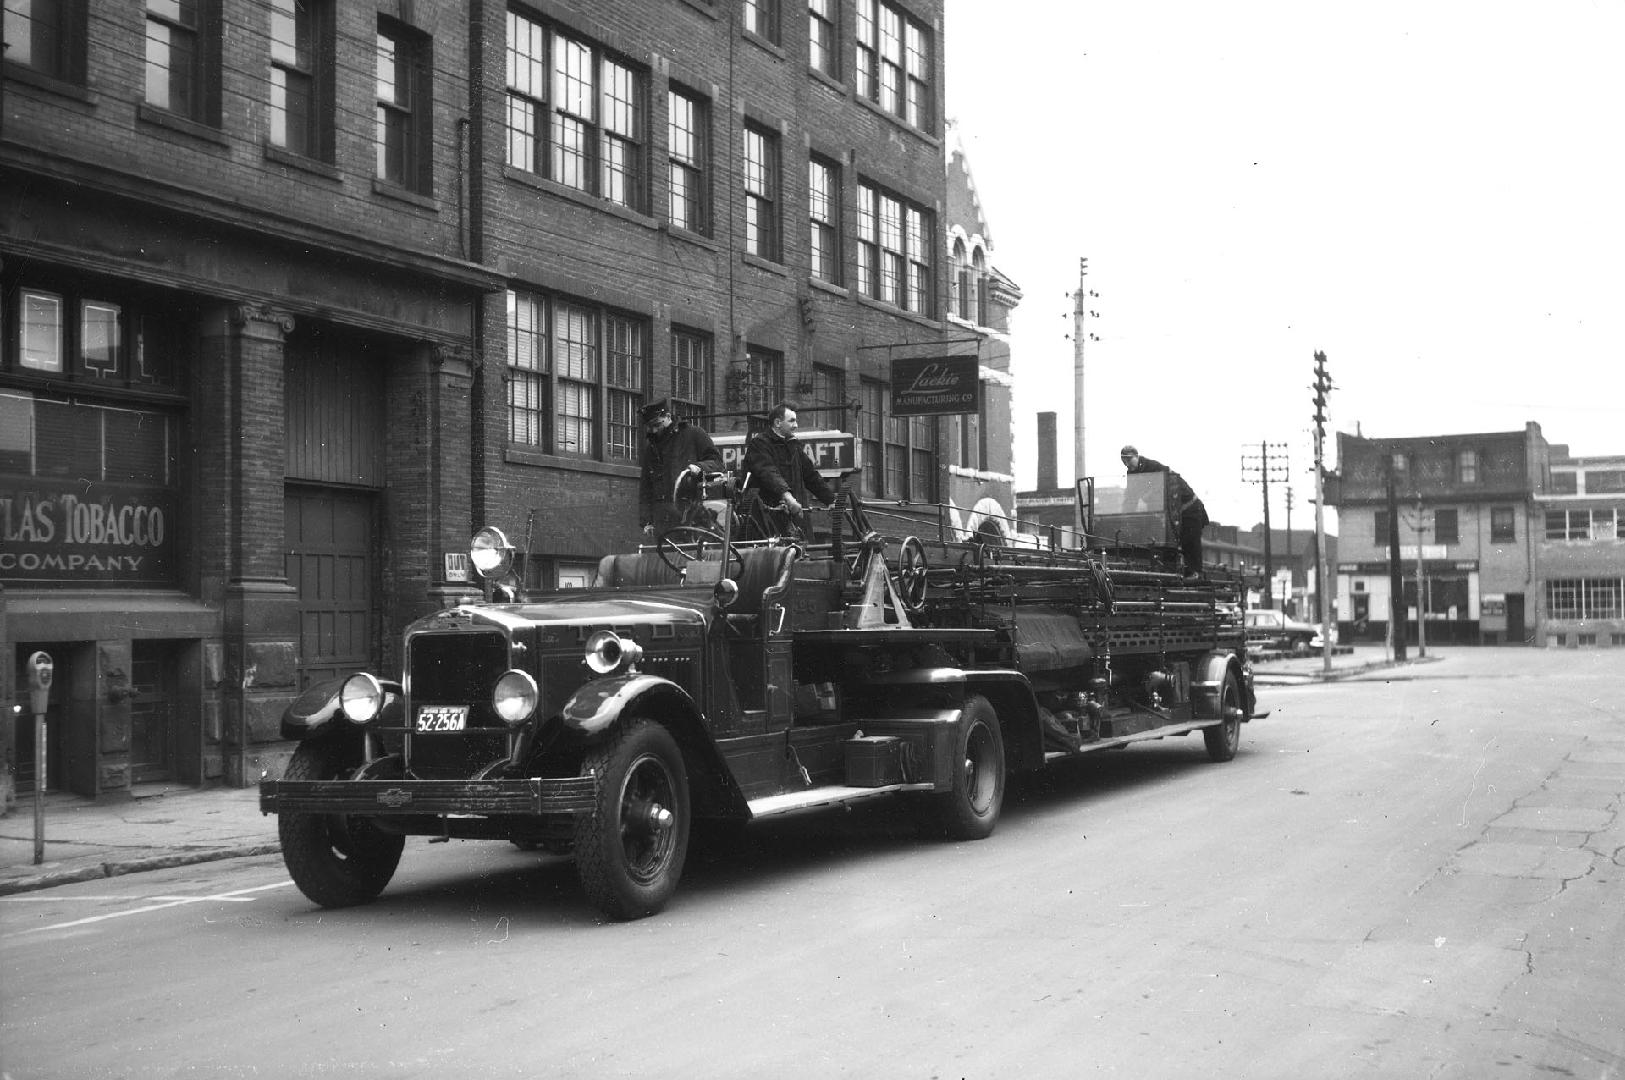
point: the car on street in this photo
(1271, 630)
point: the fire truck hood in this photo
(586, 607)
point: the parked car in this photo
(1275, 630)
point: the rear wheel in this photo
(1223, 739)
(337, 860)
(970, 810)
(630, 850)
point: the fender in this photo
(597, 706)
(1209, 677)
(315, 713)
(1006, 689)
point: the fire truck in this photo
(706, 680)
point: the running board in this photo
(823, 798)
(1138, 736)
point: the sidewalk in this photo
(159, 827)
(1356, 660)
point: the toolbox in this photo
(875, 760)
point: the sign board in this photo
(834, 452)
(457, 566)
(935, 386)
(1493, 604)
(68, 533)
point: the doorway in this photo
(329, 562)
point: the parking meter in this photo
(40, 668)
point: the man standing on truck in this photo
(1192, 514)
(670, 450)
(780, 470)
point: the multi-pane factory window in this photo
(1577, 525)
(302, 77)
(761, 184)
(181, 56)
(47, 36)
(823, 212)
(690, 373)
(893, 62)
(1585, 598)
(823, 40)
(570, 364)
(762, 19)
(576, 113)
(686, 141)
(894, 250)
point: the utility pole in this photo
(1322, 387)
(1396, 581)
(1265, 469)
(1289, 540)
(1421, 585)
(1080, 308)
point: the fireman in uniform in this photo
(780, 471)
(1192, 514)
(670, 450)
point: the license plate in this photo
(432, 718)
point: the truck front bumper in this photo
(537, 797)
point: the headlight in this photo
(515, 697)
(361, 699)
(607, 651)
(490, 552)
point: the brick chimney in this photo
(1046, 451)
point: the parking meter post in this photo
(39, 697)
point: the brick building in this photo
(293, 295)
(1470, 500)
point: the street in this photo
(1416, 873)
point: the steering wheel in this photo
(684, 544)
(911, 574)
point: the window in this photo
(894, 250)
(761, 178)
(922, 458)
(871, 417)
(1467, 466)
(1576, 525)
(972, 448)
(576, 376)
(1399, 463)
(1379, 521)
(978, 284)
(829, 397)
(822, 38)
(896, 457)
(893, 62)
(1605, 481)
(686, 142)
(402, 87)
(179, 54)
(1585, 598)
(823, 211)
(577, 115)
(959, 281)
(1565, 483)
(39, 321)
(762, 19)
(763, 381)
(1445, 527)
(47, 36)
(690, 373)
(1503, 525)
(302, 77)
(90, 340)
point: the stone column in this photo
(240, 432)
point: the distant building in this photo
(1580, 529)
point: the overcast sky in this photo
(1431, 192)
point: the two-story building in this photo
(1465, 506)
(1580, 541)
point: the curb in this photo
(1282, 678)
(132, 866)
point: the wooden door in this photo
(330, 563)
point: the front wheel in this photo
(1224, 739)
(970, 809)
(630, 850)
(336, 860)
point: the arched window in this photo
(979, 288)
(959, 283)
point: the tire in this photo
(1224, 739)
(631, 848)
(970, 810)
(336, 860)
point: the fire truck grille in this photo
(456, 670)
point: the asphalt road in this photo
(1410, 877)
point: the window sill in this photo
(575, 195)
(169, 121)
(831, 81)
(763, 264)
(405, 195)
(830, 287)
(762, 43)
(677, 232)
(27, 76)
(301, 162)
(523, 455)
(891, 309)
(898, 122)
(704, 7)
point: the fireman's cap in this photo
(655, 409)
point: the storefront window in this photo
(40, 316)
